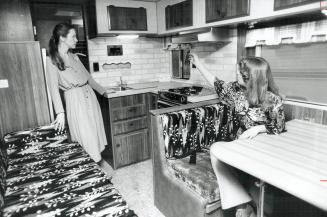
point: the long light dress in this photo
(82, 108)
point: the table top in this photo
(294, 161)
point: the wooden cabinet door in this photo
(226, 9)
(91, 20)
(131, 148)
(125, 18)
(282, 4)
(179, 15)
(153, 101)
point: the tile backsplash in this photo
(144, 60)
(220, 59)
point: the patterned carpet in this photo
(135, 183)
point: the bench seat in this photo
(49, 176)
(199, 177)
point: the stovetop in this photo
(181, 95)
(188, 91)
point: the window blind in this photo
(300, 70)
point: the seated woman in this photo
(259, 109)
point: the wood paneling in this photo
(15, 21)
(128, 112)
(241, 39)
(179, 15)
(305, 113)
(130, 125)
(131, 148)
(24, 104)
(282, 4)
(226, 9)
(126, 122)
(125, 18)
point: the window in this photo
(300, 70)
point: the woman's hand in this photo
(59, 123)
(252, 132)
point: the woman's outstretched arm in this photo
(203, 70)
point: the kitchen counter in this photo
(154, 87)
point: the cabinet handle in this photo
(131, 124)
(117, 145)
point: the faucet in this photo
(121, 85)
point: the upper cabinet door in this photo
(125, 18)
(282, 4)
(225, 9)
(179, 15)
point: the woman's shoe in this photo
(247, 211)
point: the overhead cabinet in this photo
(282, 4)
(112, 17)
(126, 18)
(179, 15)
(226, 9)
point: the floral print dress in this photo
(270, 114)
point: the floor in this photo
(135, 183)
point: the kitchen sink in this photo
(119, 88)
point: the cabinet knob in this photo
(117, 145)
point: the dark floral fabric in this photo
(196, 129)
(3, 172)
(49, 176)
(199, 177)
(270, 114)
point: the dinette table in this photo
(294, 161)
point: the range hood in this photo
(216, 35)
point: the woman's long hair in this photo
(258, 80)
(61, 29)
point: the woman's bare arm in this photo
(203, 70)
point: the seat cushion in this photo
(199, 177)
(49, 176)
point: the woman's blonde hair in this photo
(258, 79)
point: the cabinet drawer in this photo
(131, 148)
(130, 125)
(126, 101)
(128, 112)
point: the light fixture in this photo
(200, 30)
(67, 13)
(127, 36)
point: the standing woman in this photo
(65, 71)
(259, 109)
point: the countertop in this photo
(154, 87)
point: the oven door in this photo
(166, 104)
